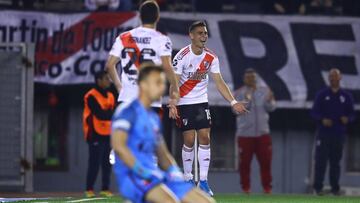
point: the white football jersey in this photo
(194, 71)
(133, 48)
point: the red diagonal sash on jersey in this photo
(129, 42)
(189, 85)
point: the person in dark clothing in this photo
(26, 4)
(333, 109)
(351, 7)
(323, 7)
(285, 6)
(98, 110)
(208, 6)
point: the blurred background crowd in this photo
(288, 7)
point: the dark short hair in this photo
(196, 24)
(149, 12)
(99, 75)
(146, 69)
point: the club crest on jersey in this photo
(342, 99)
(206, 64)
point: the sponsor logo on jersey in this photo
(197, 75)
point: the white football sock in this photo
(204, 161)
(188, 159)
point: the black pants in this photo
(99, 152)
(329, 149)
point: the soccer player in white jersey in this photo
(139, 45)
(192, 65)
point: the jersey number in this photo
(208, 115)
(141, 58)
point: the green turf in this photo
(285, 199)
(235, 199)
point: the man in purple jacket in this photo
(333, 109)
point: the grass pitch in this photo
(222, 198)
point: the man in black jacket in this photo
(333, 110)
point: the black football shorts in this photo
(194, 116)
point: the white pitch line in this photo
(86, 200)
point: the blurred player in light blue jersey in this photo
(136, 138)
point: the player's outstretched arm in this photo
(173, 112)
(174, 86)
(167, 163)
(118, 143)
(170, 74)
(226, 93)
(111, 69)
(165, 159)
(222, 87)
(270, 104)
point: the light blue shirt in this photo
(144, 133)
